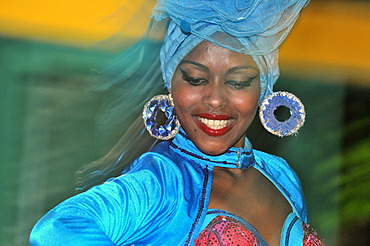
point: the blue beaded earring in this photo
(282, 99)
(171, 127)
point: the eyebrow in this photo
(233, 69)
(205, 68)
(201, 66)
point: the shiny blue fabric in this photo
(251, 27)
(162, 199)
(258, 25)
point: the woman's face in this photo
(216, 93)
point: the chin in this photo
(213, 150)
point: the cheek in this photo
(247, 103)
(185, 98)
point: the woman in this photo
(206, 186)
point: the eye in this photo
(239, 85)
(193, 80)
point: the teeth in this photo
(214, 124)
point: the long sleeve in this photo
(125, 210)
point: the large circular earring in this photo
(269, 120)
(161, 104)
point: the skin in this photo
(228, 84)
(212, 80)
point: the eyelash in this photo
(239, 85)
(192, 80)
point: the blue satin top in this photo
(162, 199)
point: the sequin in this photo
(311, 237)
(225, 231)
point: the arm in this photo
(120, 212)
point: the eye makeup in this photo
(239, 85)
(192, 80)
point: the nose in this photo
(215, 96)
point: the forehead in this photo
(207, 52)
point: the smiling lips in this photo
(214, 125)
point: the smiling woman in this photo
(216, 93)
(206, 185)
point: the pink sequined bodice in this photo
(310, 237)
(227, 231)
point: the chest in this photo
(251, 196)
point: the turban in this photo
(251, 27)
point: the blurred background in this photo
(51, 57)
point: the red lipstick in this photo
(214, 132)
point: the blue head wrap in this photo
(251, 27)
